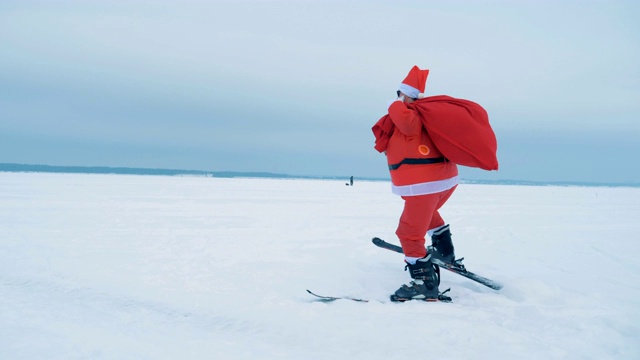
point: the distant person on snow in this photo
(425, 179)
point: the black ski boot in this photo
(441, 245)
(424, 285)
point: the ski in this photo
(455, 267)
(322, 298)
(334, 298)
(441, 298)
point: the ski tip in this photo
(323, 298)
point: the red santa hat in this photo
(415, 82)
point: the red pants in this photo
(420, 215)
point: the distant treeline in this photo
(146, 171)
(237, 174)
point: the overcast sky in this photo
(295, 86)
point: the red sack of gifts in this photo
(460, 129)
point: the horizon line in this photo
(123, 170)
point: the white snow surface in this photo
(161, 267)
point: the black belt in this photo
(409, 161)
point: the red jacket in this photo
(457, 129)
(412, 157)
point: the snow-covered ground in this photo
(155, 267)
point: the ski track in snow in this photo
(159, 267)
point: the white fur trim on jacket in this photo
(425, 188)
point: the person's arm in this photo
(405, 119)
